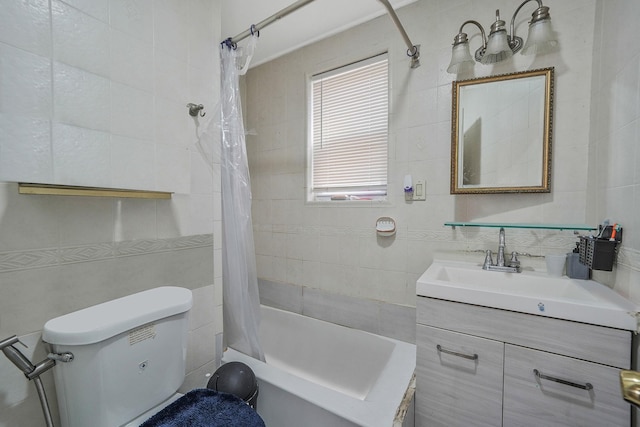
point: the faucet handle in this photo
(488, 260)
(514, 259)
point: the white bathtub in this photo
(321, 374)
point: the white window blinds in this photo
(349, 130)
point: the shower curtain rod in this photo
(413, 51)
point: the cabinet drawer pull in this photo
(455, 353)
(585, 386)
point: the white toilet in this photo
(129, 358)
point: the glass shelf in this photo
(581, 227)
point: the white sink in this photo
(529, 292)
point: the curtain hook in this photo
(229, 44)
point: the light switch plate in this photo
(420, 190)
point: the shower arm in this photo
(413, 51)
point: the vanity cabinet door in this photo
(454, 387)
(531, 400)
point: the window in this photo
(348, 132)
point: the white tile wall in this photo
(169, 130)
(27, 25)
(132, 112)
(32, 161)
(360, 264)
(131, 220)
(121, 67)
(171, 162)
(615, 133)
(80, 98)
(27, 83)
(61, 86)
(132, 17)
(131, 61)
(392, 320)
(79, 83)
(171, 31)
(80, 40)
(132, 160)
(99, 9)
(81, 156)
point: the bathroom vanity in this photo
(507, 349)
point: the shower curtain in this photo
(241, 302)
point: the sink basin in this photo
(529, 292)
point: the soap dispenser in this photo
(575, 269)
(408, 188)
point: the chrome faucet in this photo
(500, 260)
(513, 266)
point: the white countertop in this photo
(460, 278)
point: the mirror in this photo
(501, 133)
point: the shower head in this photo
(18, 359)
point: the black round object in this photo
(238, 379)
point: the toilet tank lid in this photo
(106, 320)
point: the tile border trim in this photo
(50, 257)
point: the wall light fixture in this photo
(500, 45)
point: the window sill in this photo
(348, 203)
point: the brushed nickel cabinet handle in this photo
(585, 386)
(455, 353)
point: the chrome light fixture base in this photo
(495, 49)
(480, 53)
(515, 43)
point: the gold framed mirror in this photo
(501, 133)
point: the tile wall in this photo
(614, 151)
(334, 248)
(378, 317)
(99, 86)
(116, 92)
(94, 93)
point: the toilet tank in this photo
(129, 355)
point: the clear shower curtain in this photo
(241, 302)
